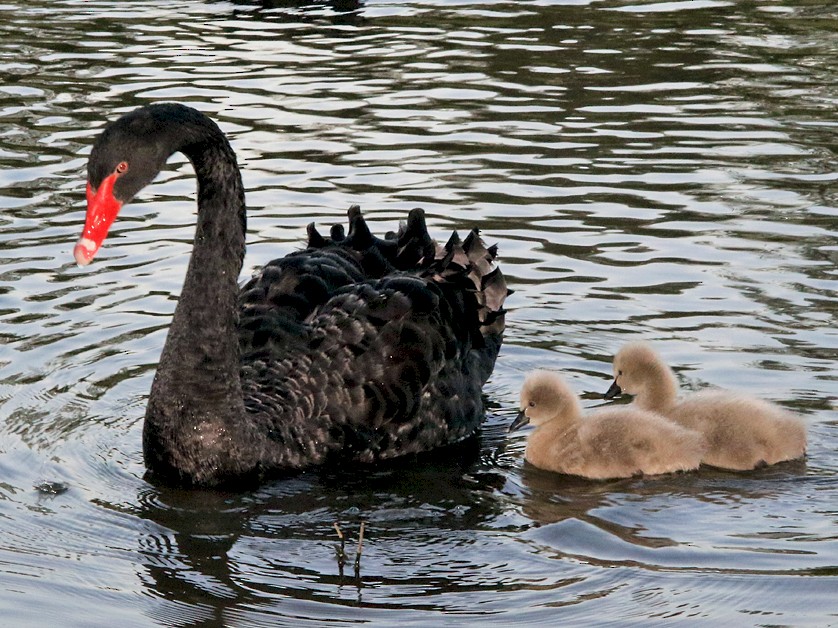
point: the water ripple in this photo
(650, 169)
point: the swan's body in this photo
(741, 432)
(355, 349)
(607, 443)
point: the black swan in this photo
(356, 349)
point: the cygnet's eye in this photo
(531, 404)
(620, 372)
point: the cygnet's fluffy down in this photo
(609, 443)
(740, 432)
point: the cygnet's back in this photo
(741, 432)
(609, 443)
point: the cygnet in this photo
(608, 443)
(740, 432)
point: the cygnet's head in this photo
(636, 366)
(544, 396)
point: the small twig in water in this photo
(339, 550)
(359, 550)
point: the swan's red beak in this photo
(102, 209)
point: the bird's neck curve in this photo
(193, 417)
(660, 392)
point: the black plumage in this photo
(355, 349)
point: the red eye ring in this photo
(121, 167)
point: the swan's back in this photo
(741, 432)
(365, 348)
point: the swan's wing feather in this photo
(275, 303)
(397, 350)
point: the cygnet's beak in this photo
(614, 391)
(520, 421)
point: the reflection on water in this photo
(661, 170)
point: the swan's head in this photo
(126, 157)
(636, 367)
(545, 396)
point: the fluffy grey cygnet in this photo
(603, 444)
(740, 432)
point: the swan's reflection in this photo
(275, 546)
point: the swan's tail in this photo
(468, 264)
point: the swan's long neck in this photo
(203, 335)
(191, 425)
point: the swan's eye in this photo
(121, 167)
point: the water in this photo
(650, 170)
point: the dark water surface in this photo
(654, 170)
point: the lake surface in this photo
(656, 170)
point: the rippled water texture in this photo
(661, 170)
